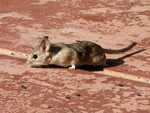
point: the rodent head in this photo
(40, 55)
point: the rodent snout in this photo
(29, 63)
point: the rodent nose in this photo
(28, 62)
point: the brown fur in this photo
(75, 54)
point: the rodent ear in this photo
(45, 44)
(42, 38)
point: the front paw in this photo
(72, 67)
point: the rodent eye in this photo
(35, 56)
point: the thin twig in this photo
(13, 53)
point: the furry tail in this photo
(109, 51)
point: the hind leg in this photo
(100, 61)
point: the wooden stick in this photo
(124, 75)
(104, 72)
(13, 53)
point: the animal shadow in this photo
(110, 62)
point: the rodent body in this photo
(70, 55)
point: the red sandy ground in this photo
(111, 24)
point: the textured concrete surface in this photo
(111, 24)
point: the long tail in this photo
(109, 51)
